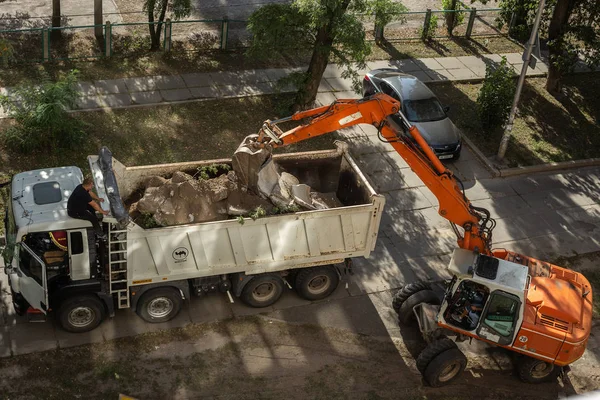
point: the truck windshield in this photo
(10, 229)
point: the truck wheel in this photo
(445, 367)
(81, 314)
(532, 370)
(159, 305)
(406, 314)
(408, 290)
(262, 291)
(316, 283)
(434, 349)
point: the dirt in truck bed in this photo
(252, 186)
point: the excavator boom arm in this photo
(374, 110)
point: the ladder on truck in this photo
(117, 264)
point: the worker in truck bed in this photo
(82, 205)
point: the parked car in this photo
(420, 106)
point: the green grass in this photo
(140, 62)
(547, 129)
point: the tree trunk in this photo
(56, 33)
(156, 28)
(325, 38)
(451, 18)
(556, 30)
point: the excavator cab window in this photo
(466, 305)
(501, 316)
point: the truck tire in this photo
(262, 291)
(81, 314)
(406, 291)
(532, 370)
(445, 368)
(433, 349)
(316, 283)
(159, 305)
(406, 314)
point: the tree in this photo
(572, 28)
(157, 10)
(331, 28)
(56, 17)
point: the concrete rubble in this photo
(255, 181)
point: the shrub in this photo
(453, 19)
(496, 95)
(40, 113)
(427, 32)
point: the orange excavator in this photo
(540, 311)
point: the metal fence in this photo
(133, 38)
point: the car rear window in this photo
(424, 110)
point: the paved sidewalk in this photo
(128, 92)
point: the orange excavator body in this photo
(557, 312)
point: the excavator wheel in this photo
(532, 370)
(432, 350)
(406, 291)
(406, 314)
(445, 368)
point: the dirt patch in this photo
(246, 358)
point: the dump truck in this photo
(57, 266)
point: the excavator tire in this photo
(445, 368)
(406, 291)
(532, 370)
(406, 314)
(433, 350)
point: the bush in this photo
(40, 113)
(453, 19)
(496, 95)
(428, 32)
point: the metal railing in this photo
(133, 38)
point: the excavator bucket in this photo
(254, 166)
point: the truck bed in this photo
(272, 243)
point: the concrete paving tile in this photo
(439, 75)
(428, 63)
(385, 182)
(496, 187)
(325, 98)
(549, 199)
(479, 72)
(532, 225)
(332, 71)
(111, 86)
(146, 97)
(471, 62)
(32, 338)
(430, 267)
(406, 65)
(396, 160)
(410, 178)
(422, 75)
(347, 94)
(128, 323)
(212, 307)
(251, 76)
(470, 171)
(176, 94)
(86, 88)
(168, 82)
(274, 74)
(325, 86)
(513, 58)
(474, 190)
(351, 132)
(536, 183)
(141, 84)
(205, 92)
(407, 199)
(433, 219)
(380, 64)
(450, 62)
(68, 339)
(371, 163)
(84, 103)
(197, 80)
(504, 207)
(492, 58)
(517, 68)
(115, 100)
(429, 196)
(430, 243)
(340, 84)
(367, 144)
(506, 231)
(460, 74)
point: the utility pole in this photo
(526, 61)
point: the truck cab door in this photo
(79, 259)
(499, 319)
(33, 280)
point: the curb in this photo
(590, 162)
(495, 172)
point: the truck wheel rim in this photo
(541, 370)
(160, 307)
(81, 316)
(264, 291)
(450, 371)
(319, 284)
